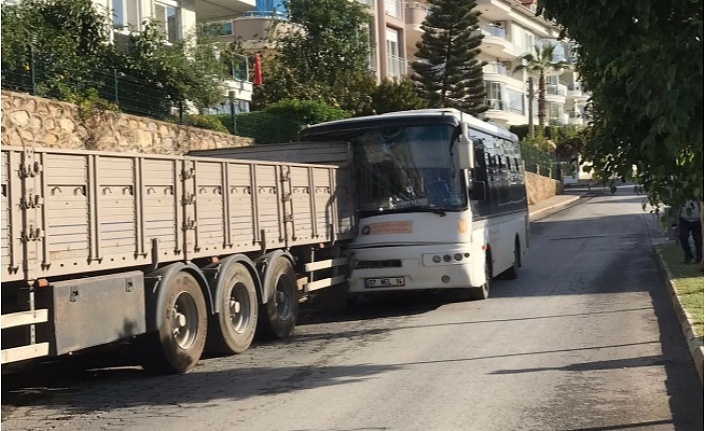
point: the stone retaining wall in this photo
(34, 121)
(540, 188)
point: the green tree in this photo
(540, 62)
(323, 56)
(61, 43)
(396, 95)
(448, 72)
(188, 70)
(59, 49)
(643, 63)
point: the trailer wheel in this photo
(232, 329)
(279, 314)
(177, 346)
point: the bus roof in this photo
(406, 117)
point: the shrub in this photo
(306, 111)
(209, 122)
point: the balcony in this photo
(415, 14)
(395, 66)
(576, 91)
(495, 43)
(253, 28)
(368, 3)
(501, 113)
(555, 93)
(217, 9)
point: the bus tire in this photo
(232, 328)
(177, 345)
(511, 273)
(482, 291)
(278, 315)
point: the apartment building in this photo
(510, 27)
(178, 19)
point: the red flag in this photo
(257, 71)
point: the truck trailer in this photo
(173, 254)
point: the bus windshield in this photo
(405, 169)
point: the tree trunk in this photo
(541, 101)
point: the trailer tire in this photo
(232, 328)
(278, 315)
(177, 345)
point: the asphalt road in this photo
(586, 339)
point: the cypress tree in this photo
(447, 72)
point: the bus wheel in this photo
(279, 314)
(511, 273)
(482, 291)
(177, 346)
(232, 329)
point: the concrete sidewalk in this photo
(556, 203)
(551, 205)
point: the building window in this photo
(395, 61)
(167, 16)
(394, 8)
(227, 29)
(522, 38)
(496, 95)
(126, 14)
(516, 102)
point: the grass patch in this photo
(688, 281)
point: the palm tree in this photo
(540, 62)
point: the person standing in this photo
(690, 225)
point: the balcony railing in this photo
(575, 87)
(395, 66)
(493, 30)
(394, 8)
(496, 104)
(556, 90)
(498, 68)
(264, 14)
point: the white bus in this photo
(441, 199)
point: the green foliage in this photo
(539, 63)
(448, 72)
(324, 56)
(569, 140)
(205, 122)
(306, 111)
(58, 49)
(537, 160)
(396, 95)
(643, 63)
(189, 69)
(68, 36)
(264, 128)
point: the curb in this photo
(538, 212)
(696, 346)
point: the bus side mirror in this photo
(478, 191)
(464, 149)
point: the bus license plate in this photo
(384, 282)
